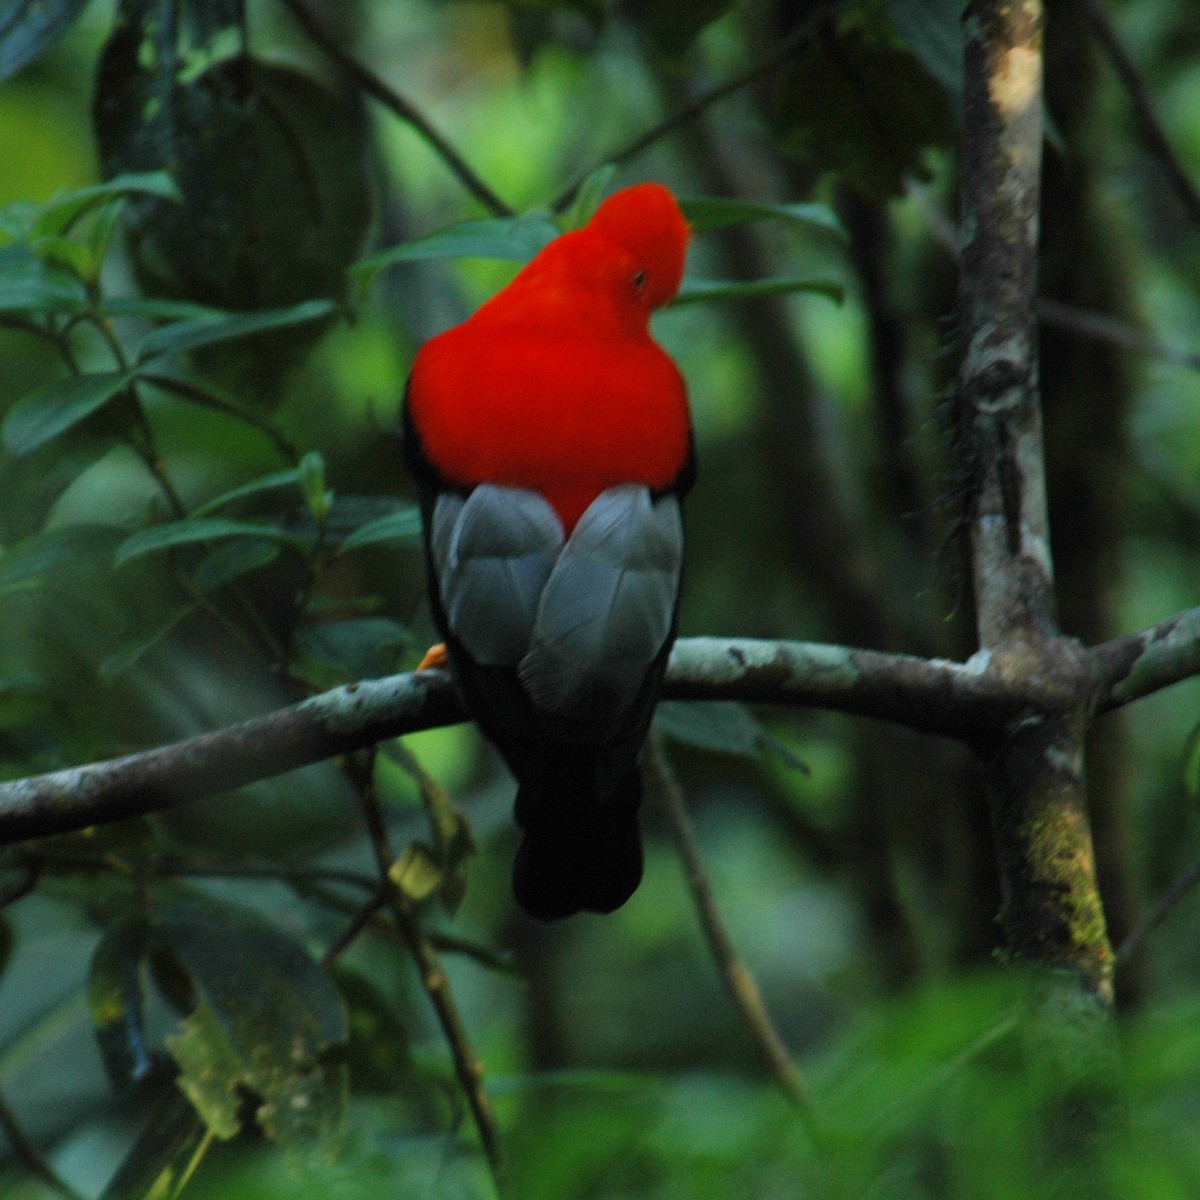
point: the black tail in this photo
(579, 853)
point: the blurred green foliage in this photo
(215, 265)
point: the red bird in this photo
(551, 442)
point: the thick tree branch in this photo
(1052, 914)
(974, 702)
(1000, 423)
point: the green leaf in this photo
(43, 414)
(416, 873)
(402, 527)
(201, 529)
(317, 496)
(115, 1000)
(933, 31)
(865, 111)
(1191, 766)
(513, 239)
(703, 291)
(158, 308)
(30, 284)
(360, 647)
(26, 561)
(378, 1047)
(716, 212)
(274, 482)
(134, 648)
(29, 27)
(232, 560)
(590, 194)
(181, 336)
(210, 1070)
(723, 726)
(61, 211)
(264, 239)
(266, 1017)
(163, 1158)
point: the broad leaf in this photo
(716, 212)
(274, 482)
(41, 415)
(865, 111)
(29, 27)
(182, 336)
(513, 239)
(60, 212)
(402, 527)
(266, 239)
(266, 1017)
(720, 725)
(933, 31)
(232, 560)
(164, 1157)
(116, 1001)
(30, 284)
(158, 308)
(359, 648)
(27, 561)
(200, 529)
(703, 291)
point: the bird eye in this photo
(639, 280)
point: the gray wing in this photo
(607, 608)
(493, 552)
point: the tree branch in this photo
(1000, 423)
(766, 66)
(370, 83)
(1037, 791)
(739, 981)
(1139, 664)
(1185, 190)
(934, 696)
(972, 701)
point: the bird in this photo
(550, 440)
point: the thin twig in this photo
(30, 1157)
(402, 107)
(178, 868)
(1082, 321)
(146, 448)
(739, 981)
(1103, 328)
(1177, 892)
(358, 923)
(185, 389)
(1102, 26)
(768, 65)
(434, 979)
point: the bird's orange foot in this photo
(435, 658)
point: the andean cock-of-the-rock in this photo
(550, 439)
